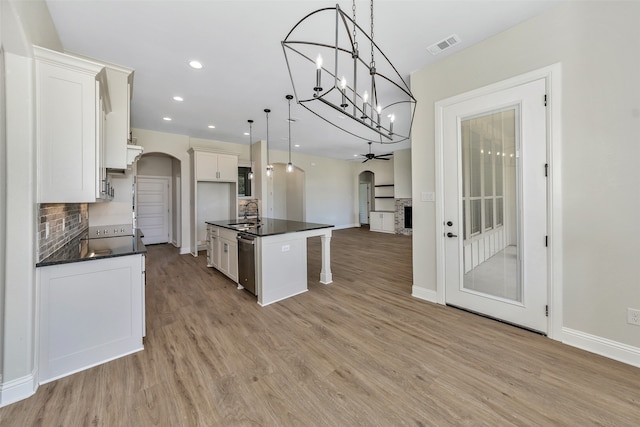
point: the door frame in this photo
(552, 75)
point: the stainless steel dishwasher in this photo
(247, 262)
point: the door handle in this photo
(450, 234)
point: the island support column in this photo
(326, 276)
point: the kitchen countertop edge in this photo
(140, 248)
(304, 226)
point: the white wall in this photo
(154, 164)
(331, 191)
(120, 209)
(21, 24)
(597, 44)
(402, 173)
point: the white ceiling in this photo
(238, 42)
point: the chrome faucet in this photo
(246, 208)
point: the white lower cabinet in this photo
(382, 222)
(222, 251)
(90, 312)
(213, 247)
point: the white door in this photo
(495, 205)
(152, 209)
(364, 195)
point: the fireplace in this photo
(408, 221)
(404, 217)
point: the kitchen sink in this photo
(242, 226)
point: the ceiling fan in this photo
(371, 156)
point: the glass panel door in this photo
(490, 200)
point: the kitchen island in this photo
(280, 250)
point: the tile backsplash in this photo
(66, 221)
(242, 207)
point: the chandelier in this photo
(331, 79)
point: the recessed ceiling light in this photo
(246, 134)
(178, 98)
(168, 119)
(355, 155)
(211, 127)
(297, 145)
(195, 64)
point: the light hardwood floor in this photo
(360, 351)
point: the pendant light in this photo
(289, 165)
(250, 176)
(269, 165)
(368, 91)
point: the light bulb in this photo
(365, 96)
(250, 176)
(318, 87)
(289, 167)
(343, 83)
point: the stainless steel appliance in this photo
(247, 262)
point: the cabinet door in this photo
(119, 117)
(66, 134)
(227, 167)
(206, 165)
(388, 222)
(215, 252)
(375, 219)
(233, 260)
(224, 256)
(90, 312)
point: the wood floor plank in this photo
(360, 351)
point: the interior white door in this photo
(364, 197)
(495, 205)
(152, 208)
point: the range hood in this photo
(133, 153)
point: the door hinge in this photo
(546, 310)
(546, 169)
(546, 241)
(545, 100)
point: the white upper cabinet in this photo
(120, 81)
(72, 100)
(215, 166)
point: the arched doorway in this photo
(286, 193)
(365, 196)
(157, 207)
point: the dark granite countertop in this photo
(269, 226)
(81, 248)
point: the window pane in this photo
(499, 211)
(476, 162)
(244, 184)
(489, 154)
(476, 214)
(488, 214)
(464, 140)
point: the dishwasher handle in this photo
(245, 239)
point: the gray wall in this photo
(598, 45)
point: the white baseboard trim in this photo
(425, 294)
(18, 389)
(604, 347)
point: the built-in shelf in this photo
(385, 194)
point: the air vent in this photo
(443, 44)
